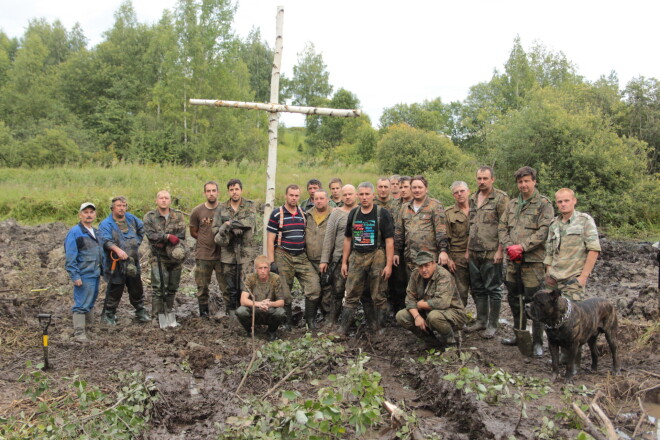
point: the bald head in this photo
(348, 196)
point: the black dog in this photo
(572, 324)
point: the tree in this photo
(310, 84)
(428, 115)
(258, 56)
(330, 131)
(572, 145)
(643, 119)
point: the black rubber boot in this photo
(514, 304)
(537, 339)
(288, 325)
(429, 339)
(311, 307)
(346, 320)
(494, 308)
(204, 311)
(371, 317)
(109, 317)
(482, 315)
(142, 315)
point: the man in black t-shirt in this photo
(368, 254)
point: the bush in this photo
(407, 150)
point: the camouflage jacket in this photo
(527, 225)
(484, 220)
(424, 230)
(440, 292)
(157, 227)
(271, 289)
(390, 204)
(568, 244)
(458, 228)
(315, 234)
(226, 238)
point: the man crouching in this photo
(263, 290)
(432, 303)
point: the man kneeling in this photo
(432, 303)
(263, 290)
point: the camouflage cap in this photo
(177, 253)
(423, 257)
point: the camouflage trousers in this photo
(338, 283)
(171, 277)
(365, 269)
(272, 318)
(297, 266)
(523, 280)
(461, 275)
(441, 321)
(326, 291)
(203, 274)
(233, 285)
(485, 276)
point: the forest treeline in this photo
(125, 99)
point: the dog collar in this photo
(563, 318)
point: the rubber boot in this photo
(89, 320)
(371, 317)
(156, 304)
(204, 311)
(537, 339)
(272, 331)
(79, 327)
(109, 317)
(381, 317)
(482, 315)
(346, 320)
(142, 315)
(333, 314)
(514, 304)
(494, 308)
(311, 307)
(288, 325)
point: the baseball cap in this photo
(87, 205)
(423, 257)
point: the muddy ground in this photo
(198, 366)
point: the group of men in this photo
(391, 248)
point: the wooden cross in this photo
(273, 120)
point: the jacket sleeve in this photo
(221, 235)
(139, 229)
(71, 251)
(399, 235)
(539, 236)
(105, 233)
(440, 229)
(411, 293)
(503, 229)
(329, 238)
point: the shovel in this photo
(165, 318)
(523, 337)
(44, 320)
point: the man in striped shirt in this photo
(286, 248)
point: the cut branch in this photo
(321, 111)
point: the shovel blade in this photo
(162, 320)
(524, 342)
(171, 320)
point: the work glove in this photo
(237, 232)
(515, 252)
(173, 239)
(273, 268)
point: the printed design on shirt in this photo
(364, 232)
(206, 221)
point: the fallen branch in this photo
(652, 374)
(642, 417)
(604, 420)
(289, 374)
(588, 426)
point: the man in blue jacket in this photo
(121, 234)
(84, 257)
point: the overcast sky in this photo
(389, 52)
